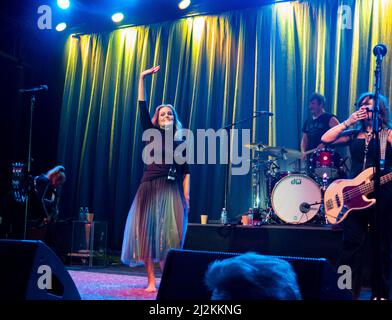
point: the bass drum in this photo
(296, 199)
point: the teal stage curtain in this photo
(215, 69)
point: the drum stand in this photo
(269, 216)
(321, 217)
(262, 175)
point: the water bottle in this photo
(82, 215)
(86, 212)
(223, 217)
(250, 215)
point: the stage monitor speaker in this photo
(30, 270)
(183, 276)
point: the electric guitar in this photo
(344, 195)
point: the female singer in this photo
(157, 219)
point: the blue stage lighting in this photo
(63, 4)
(61, 26)
(117, 17)
(184, 4)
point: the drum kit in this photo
(292, 197)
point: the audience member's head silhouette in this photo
(252, 276)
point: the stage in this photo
(316, 241)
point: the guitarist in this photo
(358, 226)
(319, 123)
(45, 200)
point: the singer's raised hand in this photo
(150, 71)
(360, 114)
(141, 92)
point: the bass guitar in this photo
(345, 195)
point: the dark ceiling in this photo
(95, 16)
(20, 33)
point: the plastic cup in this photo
(245, 220)
(90, 217)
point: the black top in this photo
(315, 128)
(154, 171)
(357, 151)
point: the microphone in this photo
(304, 207)
(380, 50)
(42, 87)
(270, 114)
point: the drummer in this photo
(316, 125)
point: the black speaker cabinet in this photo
(183, 276)
(30, 270)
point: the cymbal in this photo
(282, 152)
(255, 146)
(277, 152)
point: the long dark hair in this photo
(384, 109)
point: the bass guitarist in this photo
(358, 226)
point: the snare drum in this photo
(296, 198)
(325, 163)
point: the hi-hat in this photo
(282, 152)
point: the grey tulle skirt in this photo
(156, 222)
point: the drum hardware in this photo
(282, 153)
(228, 130)
(276, 152)
(305, 207)
(269, 217)
(266, 216)
(267, 171)
(296, 164)
(255, 146)
(262, 170)
(292, 197)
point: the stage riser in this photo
(300, 241)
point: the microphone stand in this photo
(377, 174)
(228, 128)
(29, 160)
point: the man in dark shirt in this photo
(315, 126)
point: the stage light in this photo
(285, 9)
(198, 28)
(61, 26)
(63, 4)
(184, 4)
(117, 17)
